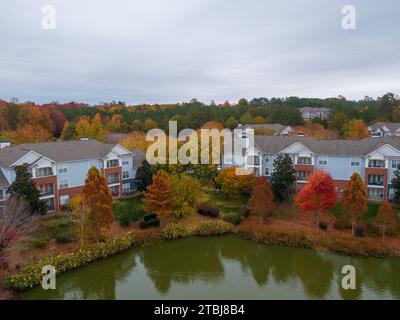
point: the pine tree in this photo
(144, 176)
(98, 199)
(159, 195)
(283, 178)
(355, 198)
(24, 187)
(261, 202)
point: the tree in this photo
(232, 184)
(69, 132)
(338, 122)
(29, 134)
(159, 195)
(231, 123)
(385, 217)
(396, 187)
(96, 196)
(58, 119)
(15, 222)
(24, 187)
(246, 118)
(137, 125)
(262, 199)
(150, 124)
(317, 196)
(135, 140)
(355, 198)
(356, 129)
(185, 191)
(283, 178)
(144, 176)
(81, 216)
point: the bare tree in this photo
(15, 222)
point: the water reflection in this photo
(225, 267)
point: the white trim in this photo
(25, 155)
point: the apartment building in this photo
(384, 129)
(374, 159)
(276, 128)
(59, 169)
(309, 113)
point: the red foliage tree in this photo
(386, 217)
(317, 196)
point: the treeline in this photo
(28, 122)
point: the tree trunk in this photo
(384, 231)
(352, 226)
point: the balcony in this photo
(376, 180)
(44, 172)
(376, 164)
(112, 163)
(46, 190)
(253, 161)
(113, 178)
(304, 161)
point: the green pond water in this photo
(224, 268)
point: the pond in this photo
(224, 268)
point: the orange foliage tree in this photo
(97, 198)
(356, 129)
(232, 184)
(28, 134)
(262, 199)
(317, 196)
(386, 217)
(159, 195)
(355, 198)
(135, 140)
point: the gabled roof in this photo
(57, 151)
(392, 126)
(268, 126)
(276, 144)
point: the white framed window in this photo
(126, 187)
(355, 162)
(64, 200)
(125, 175)
(323, 161)
(63, 184)
(125, 162)
(267, 159)
(267, 171)
(396, 164)
(62, 169)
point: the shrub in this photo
(244, 211)
(209, 210)
(359, 231)
(38, 243)
(212, 228)
(323, 225)
(150, 216)
(174, 232)
(124, 221)
(149, 223)
(31, 274)
(232, 218)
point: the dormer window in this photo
(112, 163)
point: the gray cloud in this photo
(170, 51)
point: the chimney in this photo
(84, 139)
(300, 134)
(4, 144)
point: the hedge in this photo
(213, 228)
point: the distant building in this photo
(276, 128)
(309, 113)
(384, 129)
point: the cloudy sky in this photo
(148, 51)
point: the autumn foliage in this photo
(233, 184)
(355, 198)
(98, 199)
(386, 217)
(317, 196)
(159, 195)
(262, 199)
(356, 129)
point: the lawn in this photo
(129, 209)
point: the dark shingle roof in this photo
(57, 151)
(276, 144)
(3, 181)
(392, 126)
(138, 157)
(269, 126)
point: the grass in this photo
(372, 211)
(129, 209)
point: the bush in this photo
(149, 223)
(359, 231)
(124, 221)
(323, 225)
(212, 228)
(174, 232)
(39, 243)
(209, 210)
(150, 216)
(232, 218)
(244, 211)
(31, 275)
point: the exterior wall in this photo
(340, 167)
(379, 171)
(115, 170)
(48, 180)
(76, 172)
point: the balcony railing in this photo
(375, 183)
(113, 181)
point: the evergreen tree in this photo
(283, 178)
(144, 176)
(396, 187)
(24, 187)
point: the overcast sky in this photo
(154, 51)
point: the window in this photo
(112, 163)
(113, 178)
(46, 189)
(2, 194)
(50, 204)
(302, 175)
(62, 169)
(355, 162)
(93, 163)
(64, 200)
(396, 164)
(63, 184)
(267, 171)
(267, 159)
(126, 187)
(304, 160)
(323, 161)
(253, 160)
(114, 191)
(125, 163)
(125, 175)
(44, 172)
(376, 164)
